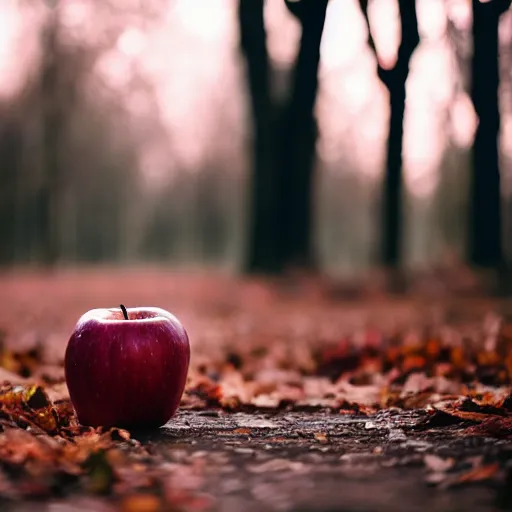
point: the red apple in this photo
(127, 367)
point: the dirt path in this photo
(317, 461)
(320, 462)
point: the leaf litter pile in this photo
(297, 399)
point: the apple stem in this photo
(125, 313)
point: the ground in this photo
(302, 395)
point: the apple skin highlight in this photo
(127, 373)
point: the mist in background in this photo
(125, 131)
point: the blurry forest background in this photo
(131, 131)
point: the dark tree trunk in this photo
(296, 160)
(284, 143)
(11, 145)
(392, 213)
(485, 236)
(395, 80)
(52, 119)
(262, 244)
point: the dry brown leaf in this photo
(480, 473)
(141, 503)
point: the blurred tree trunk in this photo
(485, 236)
(52, 123)
(296, 161)
(262, 250)
(11, 144)
(395, 80)
(284, 142)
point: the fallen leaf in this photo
(321, 437)
(438, 464)
(141, 503)
(492, 427)
(478, 474)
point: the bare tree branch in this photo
(500, 6)
(409, 42)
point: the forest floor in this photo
(302, 396)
